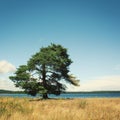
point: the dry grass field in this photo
(59, 109)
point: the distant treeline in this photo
(9, 91)
(85, 92)
(97, 92)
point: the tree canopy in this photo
(45, 72)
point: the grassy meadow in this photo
(59, 109)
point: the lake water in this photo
(71, 95)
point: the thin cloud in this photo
(7, 84)
(6, 67)
(99, 84)
(117, 67)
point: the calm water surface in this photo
(70, 95)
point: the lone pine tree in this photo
(45, 72)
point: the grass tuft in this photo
(82, 104)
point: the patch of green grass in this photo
(82, 104)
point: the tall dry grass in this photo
(61, 109)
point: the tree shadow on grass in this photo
(41, 99)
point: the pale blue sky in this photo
(90, 29)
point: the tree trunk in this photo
(45, 96)
(44, 75)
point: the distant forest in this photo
(12, 92)
(21, 92)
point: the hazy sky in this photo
(89, 29)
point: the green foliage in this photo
(44, 70)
